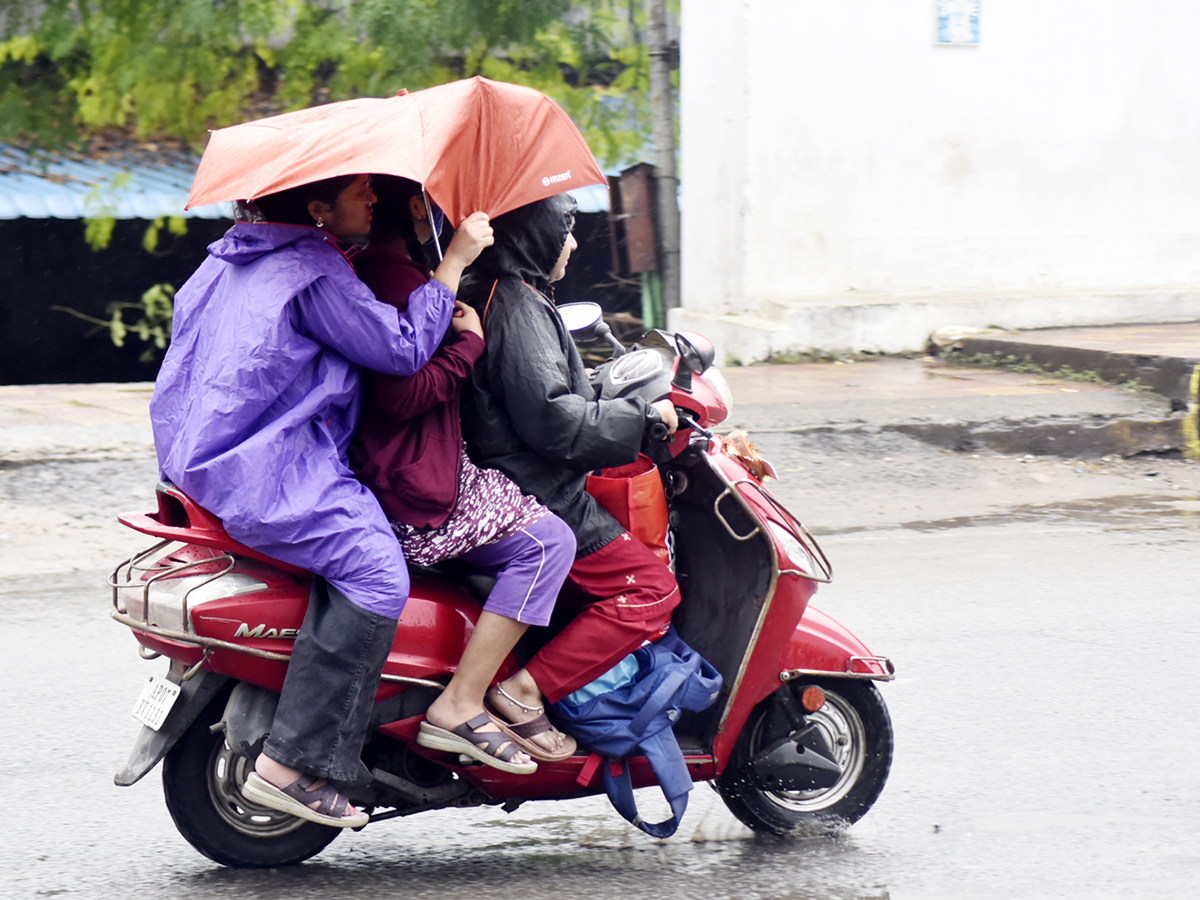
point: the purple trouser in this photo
(330, 686)
(529, 567)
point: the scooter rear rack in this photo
(122, 579)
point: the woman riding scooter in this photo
(530, 411)
(252, 413)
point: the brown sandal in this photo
(522, 733)
(500, 747)
(294, 798)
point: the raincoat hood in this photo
(529, 408)
(247, 241)
(528, 241)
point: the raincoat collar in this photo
(247, 241)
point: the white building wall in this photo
(831, 150)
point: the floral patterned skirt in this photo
(490, 508)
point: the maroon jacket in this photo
(408, 446)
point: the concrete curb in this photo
(1169, 376)
(1068, 438)
(58, 422)
(1174, 376)
(887, 323)
(1117, 437)
(960, 409)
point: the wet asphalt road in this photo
(1045, 712)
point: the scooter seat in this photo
(477, 584)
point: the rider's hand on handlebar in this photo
(670, 418)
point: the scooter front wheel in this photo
(855, 724)
(202, 782)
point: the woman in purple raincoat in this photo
(253, 412)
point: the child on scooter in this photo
(409, 451)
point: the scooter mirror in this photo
(581, 319)
(695, 351)
(585, 321)
(695, 355)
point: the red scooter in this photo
(798, 738)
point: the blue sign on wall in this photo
(958, 21)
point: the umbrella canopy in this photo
(475, 144)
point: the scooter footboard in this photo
(822, 646)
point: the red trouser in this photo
(625, 595)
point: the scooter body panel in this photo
(822, 644)
(561, 780)
(264, 617)
(572, 777)
(739, 611)
(433, 629)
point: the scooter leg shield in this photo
(151, 746)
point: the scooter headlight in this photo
(714, 379)
(793, 547)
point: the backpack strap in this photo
(670, 768)
(588, 772)
(659, 699)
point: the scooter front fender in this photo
(151, 746)
(823, 647)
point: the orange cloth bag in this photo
(634, 496)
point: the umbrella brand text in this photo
(554, 179)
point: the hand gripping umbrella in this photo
(474, 144)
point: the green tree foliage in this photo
(176, 68)
(152, 317)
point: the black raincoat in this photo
(529, 409)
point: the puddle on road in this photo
(1135, 510)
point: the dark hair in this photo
(392, 215)
(290, 207)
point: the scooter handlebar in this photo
(603, 330)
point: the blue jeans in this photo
(329, 690)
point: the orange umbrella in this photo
(475, 144)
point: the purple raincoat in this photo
(258, 398)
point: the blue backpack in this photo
(632, 707)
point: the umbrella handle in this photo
(429, 212)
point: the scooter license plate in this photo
(155, 701)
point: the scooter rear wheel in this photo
(856, 725)
(202, 780)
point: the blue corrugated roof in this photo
(139, 182)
